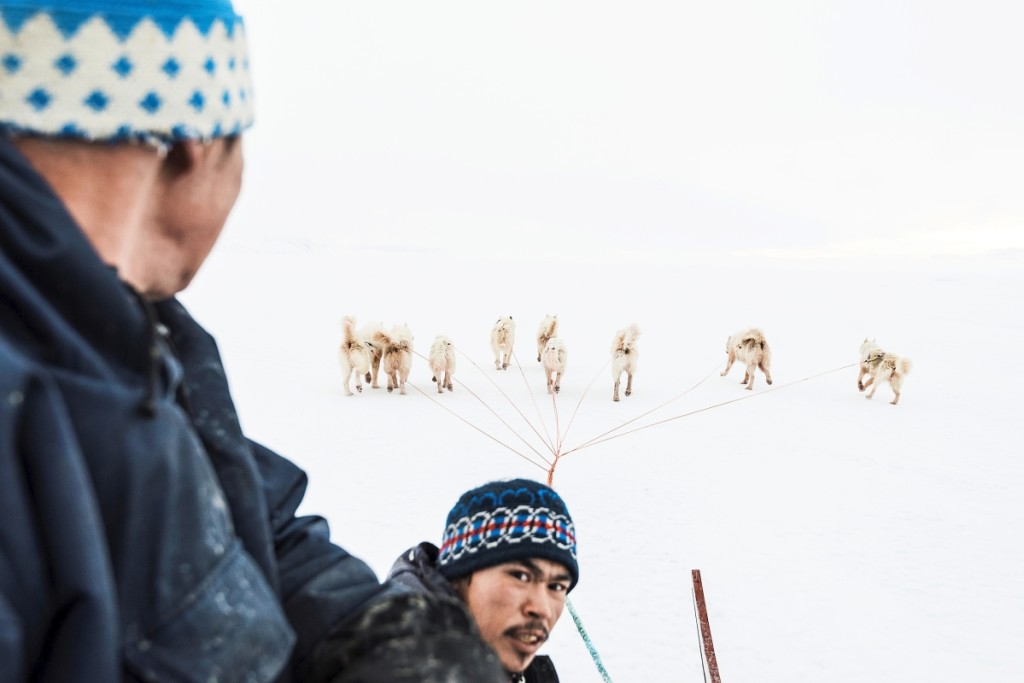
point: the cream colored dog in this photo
(503, 336)
(548, 329)
(555, 359)
(397, 357)
(749, 347)
(354, 355)
(625, 356)
(879, 366)
(375, 337)
(442, 362)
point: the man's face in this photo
(516, 605)
(199, 194)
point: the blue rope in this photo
(586, 641)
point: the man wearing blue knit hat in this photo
(509, 552)
(143, 537)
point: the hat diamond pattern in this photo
(123, 66)
(66, 64)
(97, 101)
(11, 63)
(103, 77)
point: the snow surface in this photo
(826, 171)
(839, 539)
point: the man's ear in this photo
(461, 585)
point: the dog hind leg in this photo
(375, 366)
(728, 363)
(896, 382)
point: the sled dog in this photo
(503, 335)
(555, 358)
(375, 337)
(749, 347)
(442, 362)
(354, 355)
(879, 366)
(548, 329)
(396, 358)
(625, 356)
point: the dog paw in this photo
(629, 393)
(390, 389)
(615, 398)
(359, 389)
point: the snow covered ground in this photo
(826, 171)
(839, 539)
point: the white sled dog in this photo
(442, 362)
(354, 355)
(749, 347)
(375, 337)
(879, 366)
(503, 336)
(397, 357)
(548, 329)
(555, 358)
(625, 356)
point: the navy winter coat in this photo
(142, 536)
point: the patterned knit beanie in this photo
(118, 70)
(505, 521)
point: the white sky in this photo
(795, 129)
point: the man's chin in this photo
(514, 661)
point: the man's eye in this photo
(520, 576)
(558, 587)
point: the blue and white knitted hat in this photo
(123, 69)
(504, 521)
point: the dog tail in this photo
(348, 324)
(631, 333)
(548, 327)
(619, 342)
(384, 338)
(903, 366)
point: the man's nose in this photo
(538, 604)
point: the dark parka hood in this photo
(142, 535)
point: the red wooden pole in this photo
(706, 645)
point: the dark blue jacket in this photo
(142, 536)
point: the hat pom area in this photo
(123, 70)
(504, 521)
